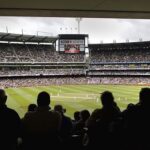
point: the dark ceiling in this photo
(77, 8)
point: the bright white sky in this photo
(105, 30)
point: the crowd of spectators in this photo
(7, 72)
(122, 55)
(112, 62)
(135, 66)
(120, 80)
(42, 71)
(46, 81)
(120, 72)
(38, 81)
(107, 127)
(116, 62)
(46, 128)
(35, 53)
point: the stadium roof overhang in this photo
(26, 38)
(76, 8)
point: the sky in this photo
(99, 29)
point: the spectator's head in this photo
(32, 107)
(145, 96)
(3, 97)
(59, 108)
(76, 115)
(43, 99)
(107, 99)
(84, 114)
(130, 106)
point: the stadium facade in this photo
(30, 60)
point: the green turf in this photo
(72, 97)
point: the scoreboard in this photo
(72, 43)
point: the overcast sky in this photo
(105, 30)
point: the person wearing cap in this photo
(66, 124)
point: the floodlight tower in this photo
(78, 21)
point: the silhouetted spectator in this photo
(66, 125)
(137, 122)
(75, 120)
(41, 127)
(10, 125)
(31, 108)
(76, 116)
(81, 124)
(100, 121)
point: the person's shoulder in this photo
(98, 110)
(67, 118)
(28, 114)
(12, 112)
(54, 113)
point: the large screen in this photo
(71, 45)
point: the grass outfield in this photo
(72, 97)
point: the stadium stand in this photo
(120, 52)
(121, 60)
(25, 58)
(36, 56)
(34, 53)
